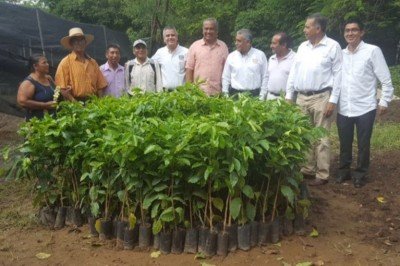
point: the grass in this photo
(385, 137)
(395, 73)
(16, 205)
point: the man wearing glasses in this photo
(363, 66)
(78, 71)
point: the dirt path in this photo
(354, 227)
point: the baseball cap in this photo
(140, 41)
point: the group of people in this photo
(320, 78)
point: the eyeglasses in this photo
(351, 30)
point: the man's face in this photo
(311, 30)
(78, 43)
(210, 32)
(113, 56)
(275, 46)
(171, 39)
(242, 45)
(140, 51)
(353, 34)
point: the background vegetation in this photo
(145, 19)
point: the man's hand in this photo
(67, 93)
(382, 110)
(330, 107)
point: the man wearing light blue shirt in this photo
(363, 66)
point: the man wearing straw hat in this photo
(77, 71)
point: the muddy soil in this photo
(355, 226)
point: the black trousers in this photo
(364, 125)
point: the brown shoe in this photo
(318, 182)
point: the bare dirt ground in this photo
(354, 227)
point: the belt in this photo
(253, 92)
(309, 93)
(275, 94)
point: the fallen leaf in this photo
(306, 263)
(387, 242)
(319, 263)
(278, 244)
(43, 256)
(273, 251)
(206, 264)
(284, 263)
(280, 258)
(155, 254)
(314, 233)
(97, 225)
(199, 255)
(96, 244)
(381, 199)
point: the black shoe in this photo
(358, 182)
(318, 182)
(342, 178)
(308, 176)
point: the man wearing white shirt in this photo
(316, 78)
(246, 69)
(172, 59)
(279, 65)
(363, 65)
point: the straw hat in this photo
(75, 32)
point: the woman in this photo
(36, 92)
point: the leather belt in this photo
(309, 93)
(275, 94)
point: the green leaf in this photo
(248, 191)
(264, 143)
(218, 203)
(288, 193)
(132, 221)
(234, 207)
(154, 210)
(167, 215)
(250, 211)
(208, 171)
(157, 227)
(148, 200)
(151, 148)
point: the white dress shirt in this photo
(315, 68)
(172, 65)
(278, 72)
(143, 76)
(360, 74)
(245, 72)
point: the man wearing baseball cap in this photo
(78, 71)
(142, 72)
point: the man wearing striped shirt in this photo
(363, 66)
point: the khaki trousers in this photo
(318, 158)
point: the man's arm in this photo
(189, 75)
(264, 77)
(382, 73)
(226, 77)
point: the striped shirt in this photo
(85, 78)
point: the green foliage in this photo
(169, 157)
(146, 19)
